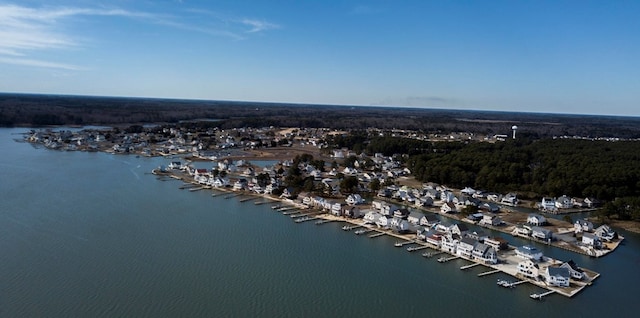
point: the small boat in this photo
(398, 244)
(505, 283)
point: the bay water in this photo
(96, 235)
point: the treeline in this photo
(41, 110)
(549, 167)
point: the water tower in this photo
(514, 128)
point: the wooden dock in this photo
(446, 259)
(416, 248)
(247, 199)
(401, 244)
(377, 234)
(489, 272)
(469, 266)
(539, 296)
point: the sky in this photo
(578, 57)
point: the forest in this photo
(533, 168)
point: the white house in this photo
(490, 219)
(536, 219)
(485, 254)
(528, 268)
(509, 199)
(575, 271)
(459, 228)
(449, 244)
(429, 220)
(605, 233)
(465, 247)
(564, 202)
(548, 204)
(371, 217)
(414, 217)
(590, 239)
(583, 226)
(557, 276)
(354, 199)
(529, 252)
(541, 233)
(399, 225)
(448, 207)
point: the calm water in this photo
(95, 235)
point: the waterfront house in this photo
(336, 209)
(388, 209)
(521, 230)
(591, 240)
(449, 244)
(465, 247)
(448, 207)
(383, 221)
(575, 271)
(447, 196)
(443, 228)
(536, 219)
(354, 199)
(583, 226)
(399, 225)
(478, 235)
(485, 253)
(422, 232)
(401, 213)
(557, 276)
(497, 243)
(528, 269)
(459, 228)
(494, 197)
(541, 233)
(429, 220)
(548, 204)
(352, 212)
(371, 217)
(564, 202)
(423, 202)
(509, 199)
(605, 233)
(578, 203)
(490, 219)
(529, 252)
(414, 217)
(434, 239)
(489, 207)
(591, 202)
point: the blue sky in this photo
(532, 56)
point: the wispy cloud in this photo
(258, 26)
(28, 30)
(39, 63)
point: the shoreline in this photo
(505, 265)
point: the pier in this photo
(400, 244)
(432, 254)
(446, 259)
(362, 231)
(469, 266)
(539, 296)
(322, 221)
(489, 272)
(247, 199)
(377, 234)
(416, 248)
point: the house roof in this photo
(558, 271)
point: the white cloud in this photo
(25, 30)
(258, 26)
(39, 63)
